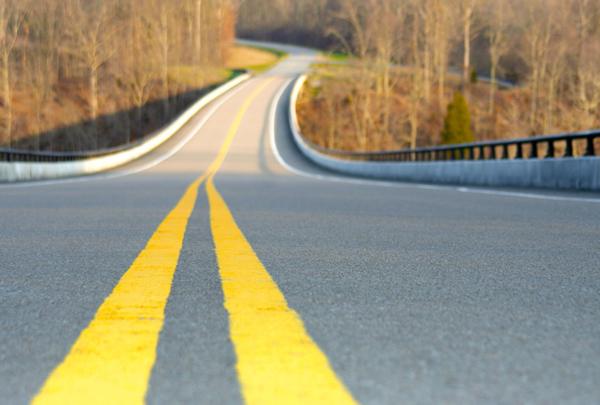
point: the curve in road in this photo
(184, 293)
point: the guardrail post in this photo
(481, 153)
(589, 150)
(550, 150)
(505, 153)
(534, 150)
(493, 152)
(569, 149)
(519, 154)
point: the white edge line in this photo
(384, 183)
(159, 159)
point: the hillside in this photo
(340, 109)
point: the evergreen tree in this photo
(474, 76)
(457, 124)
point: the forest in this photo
(88, 74)
(525, 67)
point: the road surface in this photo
(235, 271)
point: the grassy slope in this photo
(253, 58)
(332, 89)
(325, 111)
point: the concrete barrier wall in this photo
(566, 173)
(28, 171)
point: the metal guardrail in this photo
(523, 148)
(15, 155)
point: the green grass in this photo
(261, 68)
(337, 56)
(279, 56)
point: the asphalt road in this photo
(411, 293)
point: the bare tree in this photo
(91, 36)
(159, 24)
(415, 60)
(442, 36)
(586, 86)
(467, 9)
(10, 21)
(498, 41)
(140, 68)
(355, 33)
(538, 34)
(385, 33)
(198, 32)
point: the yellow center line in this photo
(277, 360)
(112, 359)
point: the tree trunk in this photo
(534, 100)
(427, 61)
(6, 92)
(492, 88)
(442, 88)
(467, 53)
(164, 28)
(93, 99)
(387, 91)
(467, 16)
(198, 37)
(414, 123)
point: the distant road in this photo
(236, 271)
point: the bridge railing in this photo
(16, 155)
(539, 147)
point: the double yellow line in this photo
(277, 361)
